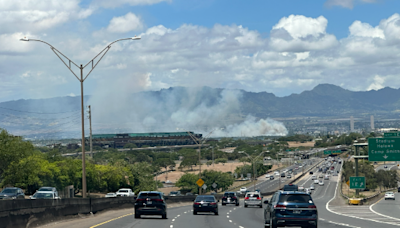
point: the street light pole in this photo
(81, 80)
(254, 168)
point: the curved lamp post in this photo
(81, 80)
(253, 160)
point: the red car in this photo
(333, 167)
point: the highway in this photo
(390, 165)
(333, 212)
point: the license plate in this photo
(149, 202)
(205, 204)
(296, 212)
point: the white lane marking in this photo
(178, 215)
(185, 212)
(171, 226)
(227, 213)
(230, 220)
(370, 208)
(343, 224)
(241, 227)
(227, 216)
(173, 220)
(321, 219)
(230, 210)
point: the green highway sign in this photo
(337, 152)
(391, 134)
(327, 152)
(384, 149)
(357, 182)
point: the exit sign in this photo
(391, 134)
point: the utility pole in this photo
(90, 126)
(213, 155)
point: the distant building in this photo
(351, 124)
(372, 123)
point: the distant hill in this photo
(325, 100)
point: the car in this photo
(12, 193)
(175, 193)
(311, 173)
(267, 176)
(316, 181)
(389, 195)
(300, 188)
(283, 174)
(385, 166)
(111, 195)
(290, 209)
(243, 190)
(289, 176)
(44, 195)
(321, 176)
(276, 173)
(189, 194)
(253, 199)
(125, 192)
(205, 203)
(326, 177)
(168, 182)
(49, 189)
(321, 183)
(150, 203)
(271, 177)
(312, 187)
(313, 177)
(308, 191)
(230, 198)
(290, 187)
(398, 189)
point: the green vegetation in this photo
(187, 182)
(297, 138)
(328, 140)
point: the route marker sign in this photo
(348, 183)
(384, 149)
(214, 185)
(357, 182)
(200, 182)
(391, 134)
(204, 186)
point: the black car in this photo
(290, 187)
(290, 209)
(205, 203)
(311, 173)
(150, 203)
(271, 177)
(12, 193)
(398, 189)
(230, 198)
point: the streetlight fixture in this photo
(81, 80)
(254, 168)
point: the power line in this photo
(38, 112)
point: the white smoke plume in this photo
(200, 110)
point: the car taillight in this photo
(234, 197)
(312, 206)
(213, 203)
(197, 203)
(279, 206)
(157, 200)
(140, 200)
(258, 198)
(246, 198)
(224, 197)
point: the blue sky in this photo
(283, 47)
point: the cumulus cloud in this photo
(118, 3)
(377, 83)
(346, 3)
(126, 23)
(298, 33)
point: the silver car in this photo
(253, 199)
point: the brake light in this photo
(213, 203)
(157, 200)
(140, 200)
(312, 206)
(279, 206)
(258, 198)
(246, 198)
(196, 203)
(234, 197)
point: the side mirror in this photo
(265, 201)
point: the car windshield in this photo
(149, 196)
(123, 191)
(205, 199)
(8, 190)
(45, 189)
(252, 195)
(43, 195)
(295, 198)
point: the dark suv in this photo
(12, 193)
(290, 209)
(205, 203)
(150, 203)
(230, 198)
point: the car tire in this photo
(245, 205)
(216, 213)
(137, 215)
(195, 212)
(237, 204)
(261, 206)
(164, 216)
(224, 204)
(272, 223)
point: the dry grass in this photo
(298, 144)
(351, 192)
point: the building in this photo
(372, 123)
(141, 139)
(351, 124)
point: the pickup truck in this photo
(125, 192)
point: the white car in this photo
(316, 181)
(243, 189)
(389, 195)
(110, 195)
(276, 173)
(267, 176)
(312, 187)
(313, 177)
(44, 195)
(321, 183)
(125, 192)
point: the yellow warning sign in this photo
(348, 183)
(200, 182)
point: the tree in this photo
(130, 145)
(223, 180)
(190, 160)
(165, 163)
(188, 182)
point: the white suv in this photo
(126, 192)
(243, 189)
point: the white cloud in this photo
(126, 23)
(366, 30)
(298, 33)
(118, 3)
(346, 3)
(377, 83)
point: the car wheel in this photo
(164, 216)
(216, 213)
(224, 204)
(261, 206)
(245, 205)
(272, 223)
(195, 212)
(137, 215)
(237, 204)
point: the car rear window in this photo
(149, 196)
(205, 199)
(229, 194)
(252, 195)
(123, 191)
(295, 198)
(173, 193)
